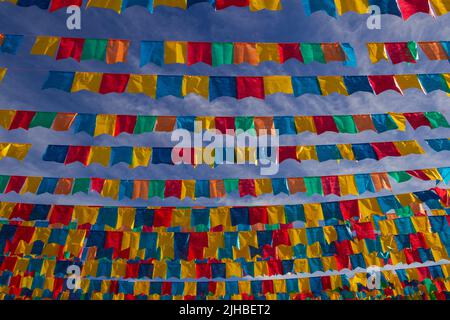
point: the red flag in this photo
(58, 4)
(97, 184)
(78, 153)
(124, 123)
(22, 211)
(162, 217)
(22, 119)
(324, 124)
(173, 189)
(258, 215)
(385, 149)
(224, 123)
(287, 152)
(411, 7)
(250, 87)
(15, 184)
(383, 83)
(289, 51)
(61, 214)
(70, 48)
(113, 82)
(222, 4)
(399, 52)
(247, 187)
(417, 119)
(330, 185)
(199, 52)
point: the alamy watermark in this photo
(260, 149)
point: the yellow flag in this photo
(115, 5)
(195, 84)
(45, 45)
(358, 6)
(2, 73)
(175, 51)
(105, 124)
(145, 84)
(89, 81)
(256, 5)
(331, 84)
(377, 52)
(278, 84)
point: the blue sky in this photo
(22, 90)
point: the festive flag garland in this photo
(137, 156)
(340, 255)
(377, 242)
(116, 124)
(401, 8)
(408, 51)
(229, 218)
(425, 282)
(212, 87)
(108, 50)
(10, 43)
(340, 185)
(14, 150)
(219, 53)
(120, 5)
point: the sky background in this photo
(21, 89)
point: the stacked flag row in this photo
(136, 156)
(108, 50)
(341, 185)
(401, 8)
(212, 87)
(226, 218)
(116, 124)
(380, 242)
(188, 52)
(425, 282)
(219, 53)
(407, 51)
(345, 254)
(120, 5)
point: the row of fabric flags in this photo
(425, 282)
(408, 51)
(401, 8)
(116, 124)
(225, 218)
(222, 53)
(120, 268)
(377, 242)
(213, 87)
(136, 156)
(341, 185)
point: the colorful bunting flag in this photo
(120, 5)
(220, 53)
(401, 8)
(144, 156)
(341, 185)
(238, 87)
(108, 50)
(116, 124)
(407, 51)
